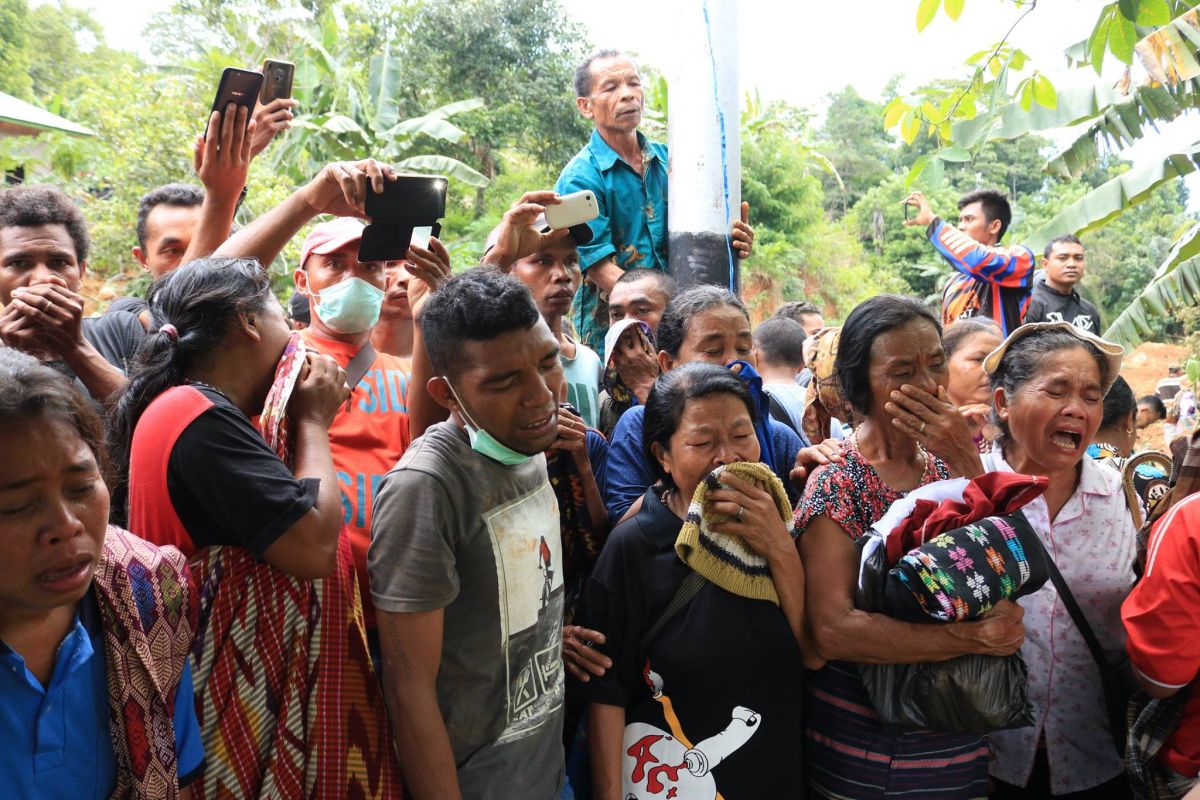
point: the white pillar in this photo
(703, 116)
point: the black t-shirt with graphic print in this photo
(1048, 305)
(727, 670)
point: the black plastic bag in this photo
(968, 694)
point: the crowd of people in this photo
(555, 526)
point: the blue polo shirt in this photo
(56, 739)
(632, 226)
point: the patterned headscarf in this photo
(613, 384)
(823, 397)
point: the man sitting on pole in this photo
(628, 175)
(990, 281)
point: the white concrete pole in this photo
(703, 116)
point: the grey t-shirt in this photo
(457, 531)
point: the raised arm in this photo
(1010, 267)
(308, 549)
(339, 189)
(429, 268)
(222, 161)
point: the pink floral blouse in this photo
(1092, 541)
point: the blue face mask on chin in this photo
(484, 443)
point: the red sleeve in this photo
(1162, 613)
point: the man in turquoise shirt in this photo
(628, 175)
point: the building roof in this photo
(18, 118)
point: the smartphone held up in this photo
(277, 80)
(239, 87)
(404, 213)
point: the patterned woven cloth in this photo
(956, 548)
(291, 706)
(580, 546)
(722, 558)
(147, 612)
(823, 397)
(1151, 723)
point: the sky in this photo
(802, 51)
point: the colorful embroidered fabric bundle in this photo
(722, 558)
(961, 574)
(954, 549)
(148, 612)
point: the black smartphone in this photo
(907, 211)
(277, 80)
(388, 240)
(418, 199)
(240, 87)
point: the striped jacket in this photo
(989, 281)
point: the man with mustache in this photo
(1054, 296)
(628, 175)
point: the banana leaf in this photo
(1177, 288)
(444, 165)
(1110, 199)
(1074, 106)
(383, 85)
(1123, 123)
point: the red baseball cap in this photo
(330, 236)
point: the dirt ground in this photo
(1143, 369)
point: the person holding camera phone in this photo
(628, 175)
(549, 265)
(989, 280)
(179, 222)
(345, 296)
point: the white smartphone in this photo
(575, 208)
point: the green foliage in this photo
(519, 55)
(366, 85)
(857, 146)
(1106, 198)
(14, 61)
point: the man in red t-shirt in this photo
(345, 295)
(1162, 625)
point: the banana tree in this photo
(342, 119)
(1164, 35)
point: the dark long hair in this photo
(869, 319)
(200, 299)
(28, 388)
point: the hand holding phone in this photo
(572, 209)
(277, 80)
(240, 88)
(409, 202)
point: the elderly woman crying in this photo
(1048, 385)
